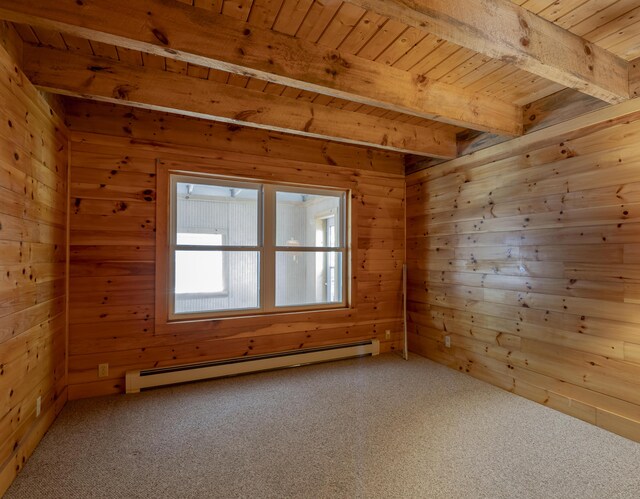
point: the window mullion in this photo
(269, 232)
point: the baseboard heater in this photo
(148, 378)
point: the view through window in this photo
(239, 246)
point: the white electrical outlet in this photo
(38, 406)
(447, 341)
(103, 370)
(387, 334)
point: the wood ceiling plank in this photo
(401, 46)
(218, 42)
(292, 93)
(422, 50)
(367, 26)
(629, 49)
(604, 16)
(174, 66)
(511, 33)
(211, 5)
(617, 27)
(110, 81)
(441, 53)
(238, 80)
(26, 33)
(133, 57)
(461, 56)
(348, 105)
(626, 29)
(528, 89)
(217, 75)
(583, 12)
(77, 44)
(488, 68)
(264, 12)
(513, 80)
(536, 6)
(255, 84)
(194, 71)
(498, 75)
(304, 96)
(238, 9)
(291, 16)
(344, 21)
(468, 67)
(49, 38)
(317, 20)
(560, 8)
(381, 40)
(154, 61)
(274, 88)
(322, 100)
(541, 92)
(104, 49)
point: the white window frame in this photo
(266, 244)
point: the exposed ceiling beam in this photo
(505, 31)
(634, 78)
(175, 30)
(543, 113)
(107, 80)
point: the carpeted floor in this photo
(372, 427)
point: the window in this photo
(240, 247)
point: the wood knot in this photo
(162, 38)
(122, 92)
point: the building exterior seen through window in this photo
(241, 247)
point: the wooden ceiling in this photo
(350, 29)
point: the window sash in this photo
(266, 248)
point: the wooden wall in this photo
(527, 255)
(113, 156)
(33, 216)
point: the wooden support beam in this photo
(634, 78)
(543, 113)
(173, 29)
(110, 81)
(556, 108)
(560, 133)
(505, 31)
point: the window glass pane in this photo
(308, 220)
(307, 278)
(213, 281)
(215, 215)
(199, 272)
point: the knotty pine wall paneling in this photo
(114, 151)
(33, 216)
(530, 262)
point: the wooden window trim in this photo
(220, 169)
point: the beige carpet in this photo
(373, 427)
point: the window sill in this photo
(227, 326)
